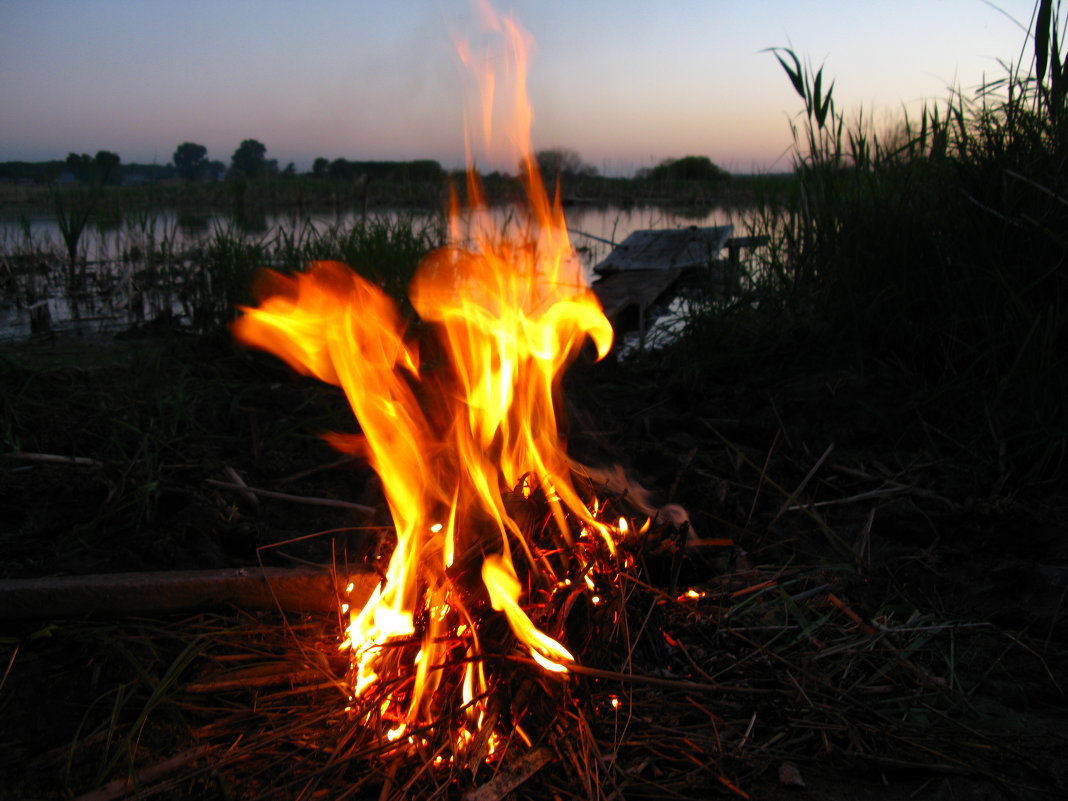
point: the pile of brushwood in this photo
(865, 621)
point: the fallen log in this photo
(301, 589)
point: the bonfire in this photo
(496, 540)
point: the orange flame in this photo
(510, 309)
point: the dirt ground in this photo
(819, 485)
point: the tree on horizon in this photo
(104, 168)
(191, 160)
(564, 162)
(250, 159)
(107, 166)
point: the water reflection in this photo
(255, 221)
(194, 223)
(146, 266)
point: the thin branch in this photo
(281, 496)
(122, 787)
(54, 458)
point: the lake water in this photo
(39, 300)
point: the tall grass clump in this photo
(939, 248)
(230, 258)
(384, 249)
(73, 212)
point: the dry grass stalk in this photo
(675, 695)
(282, 496)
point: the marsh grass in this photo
(935, 249)
(149, 269)
(383, 249)
(73, 212)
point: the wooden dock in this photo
(650, 266)
(667, 249)
(632, 293)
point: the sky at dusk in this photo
(625, 83)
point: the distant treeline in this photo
(92, 172)
(252, 179)
(66, 171)
(249, 161)
(395, 171)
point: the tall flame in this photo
(510, 309)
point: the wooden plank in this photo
(678, 248)
(295, 589)
(633, 288)
(736, 244)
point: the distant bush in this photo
(421, 170)
(688, 168)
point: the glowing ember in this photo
(455, 446)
